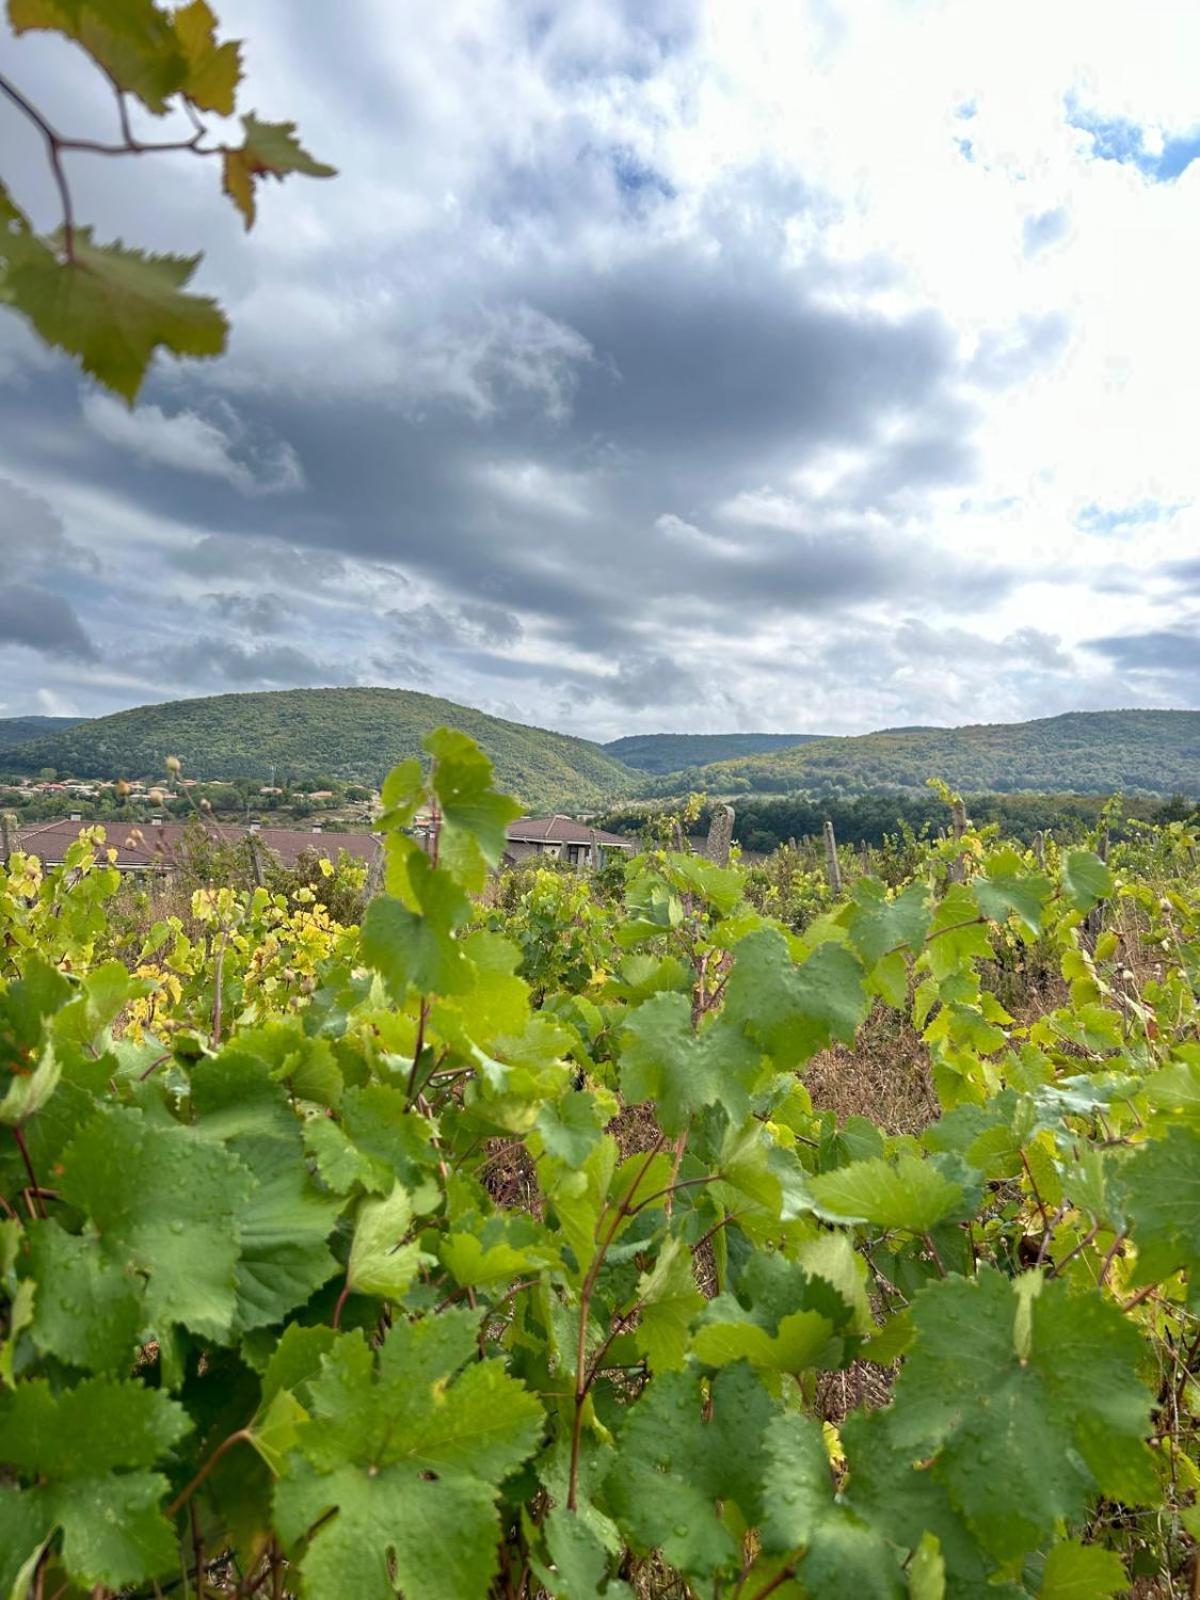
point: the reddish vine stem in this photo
(242, 1435)
(340, 1306)
(584, 1379)
(37, 1204)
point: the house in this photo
(559, 838)
(155, 845)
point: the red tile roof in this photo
(562, 830)
(146, 845)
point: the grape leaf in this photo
(412, 1458)
(794, 1011)
(673, 1466)
(474, 816)
(380, 1262)
(1160, 1185)
(878, 926)
(841, 1555)
(88, 1308)
(912, 1194)
(1086, 879)
(1009, 888)
(213, 70)
(268, 150)
(87, 1449)
(132, 40)
(419, 948)
(1075, 1571)
(111, 307)
(166, 1203)
(669, 1299)
(1031, 1400)
(681, 1070)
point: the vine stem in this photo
(584, 1378)
(37, 1203)
(242, 1435)
(54, 148)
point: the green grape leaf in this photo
(927, 1570)
(269, 150)
(1009, 888)
(87, 1450)
(88, 1310)
(958, 936)
(793, 1011)
(27, 1093)
(418, 949)
(669, 1300)
(167, 1204)
(840, 1554)
(110, 307)
(412, 1456)
(285, 1224)
(664, 1060)
(1030, 1398)
(912, 1194)
(571, 1127)
(380, 1262)
(879, 927)
(213, 70)
(673, 1467)
(1160, 1188)
(1075, 1571)
(580, 1560)
(801, 1340)
(132, 40)
(1086, 879)
(474, 816)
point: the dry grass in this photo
(884, 1076)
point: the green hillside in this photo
(20, 730)
(346, 734)
(673, 752)
(1089, 752)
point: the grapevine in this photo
(498, 1249)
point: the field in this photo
(693, 1230)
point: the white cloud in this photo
(188, 442)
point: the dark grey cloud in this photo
(32, 537)
(257, 613)
(500, 368)
(39, 620)
(1158, 651)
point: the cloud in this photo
(188, 442)
(606, 384)
(1045, 228)
(32, 537)
(44, 622)
(1159, 651)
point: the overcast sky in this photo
(650, 365)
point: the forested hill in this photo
(1089, 752)
(20, 730)
(672, 752)
(345, 734)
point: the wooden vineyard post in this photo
(720, 835)
(833, 867)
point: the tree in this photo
(111, 306)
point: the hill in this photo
(673, 752)
(347, 734)
(1088, 752)
(20, 730)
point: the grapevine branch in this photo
(58, 144)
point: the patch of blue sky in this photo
(1109, 519)
(1118, 139)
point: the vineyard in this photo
(497, 1248)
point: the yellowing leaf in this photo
(132, 40)
(213, 70)
(270, 150)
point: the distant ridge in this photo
(20, 730)
(351, 735)
(674, 752)
(1086, 752)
